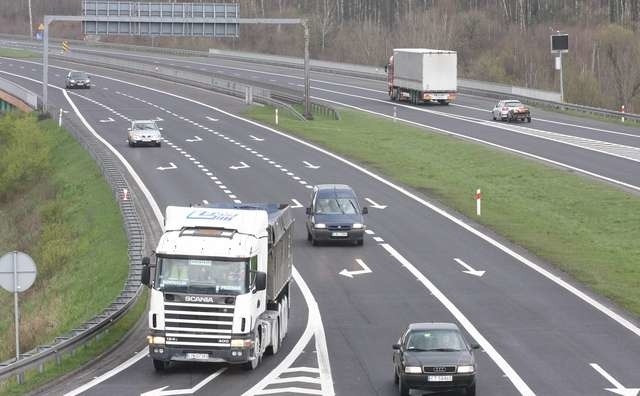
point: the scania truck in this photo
(220, 284)
(419, 75)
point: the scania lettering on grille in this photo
(199, 299)
(211, 215)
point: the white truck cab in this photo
(220, 284)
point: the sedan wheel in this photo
(404, 389)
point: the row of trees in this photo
(497, 40)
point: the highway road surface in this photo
(540, 332)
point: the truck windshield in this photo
(203, 276)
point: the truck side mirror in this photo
(396, 346)
(475, 346)
(261, 281)
(365, 210)
(308, 210)
(386, 68)
(145, 275)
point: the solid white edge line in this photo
(160, 220)
(314, 325)
(605, 310)
(519, 384)
(133, 360)
(486, 123)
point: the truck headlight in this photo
(156, 339)
(357, 226)
(241, 343)
(466, 369)
(319, 225)
(413, 369)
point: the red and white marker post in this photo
(478, 202)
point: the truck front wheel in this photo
(160, 365)
(255, 362)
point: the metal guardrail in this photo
(269, 94)
(68, 343)
(19, 92)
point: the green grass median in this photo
(56, 206)
(587, 228)
(17, 53)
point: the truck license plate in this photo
(339, 234)
(197, 356)
(440, 378)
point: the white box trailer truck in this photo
(420, 75)
(220, 282)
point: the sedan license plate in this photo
(197, 356)
(339, 234)
(440, 378)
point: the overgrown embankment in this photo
(56, 206)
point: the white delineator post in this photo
(395, 113)
(60, 119)
(276, 116)
(478, 202)
(622, 111)
(125, 194)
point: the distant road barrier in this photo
(26, 100)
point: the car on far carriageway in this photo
(335, 215)
(511, 110)
(77, 79)
(144, 132)
(434, 357)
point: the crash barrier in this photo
(93, 329)
(16, 91)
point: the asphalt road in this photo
(539, 334)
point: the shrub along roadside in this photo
(584, 227)
(56, 206)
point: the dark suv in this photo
(335, 215)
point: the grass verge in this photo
(584, 227)
(34, 380)
(56, 206)
(17, 53)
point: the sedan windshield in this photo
(435, 340)
(78, 76)
(336, 206)
(144, 125)
(191, 275)
(513, 104)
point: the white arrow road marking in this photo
(195, 139)
(310, 166)
(190, 391)
(374, 204)
(619, 388)
(242, 166)
(257, 139)
(469, 270)
(212, 119)
(364, 270)
(296, 203)
(107, 120)
(171, 166)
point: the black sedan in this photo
(434, 357)
(77, 79)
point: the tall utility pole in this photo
(30, 22)
(307, 68)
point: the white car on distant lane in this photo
(144, 132)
